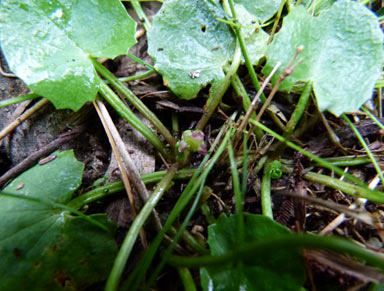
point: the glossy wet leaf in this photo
(262, 10)
(48, 43)
(189, 46)
(280, 270)
(43, 248)
(342, 50)
(255, 38)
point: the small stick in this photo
(252, 107)
(10, 127)
(287, 71)
(127, 185)
(128, 162)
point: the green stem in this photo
(140, 13)
(18, 99)
(129, 241)
(268, 246)
(377, 121)
(137, 276)
(266, 204)
(317, 159)
(345, 187)
(139, 105)
(141, 62)
(106, 190)
(129, 116)
(348, 161)
(365, 146)
(244, 51)
(186, 279)
(278, 15)
(177, 237)
(216, 94)
(137, 77)
(299, 110)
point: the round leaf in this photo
(342, 54)
(43, 248)
(189, 46)
(280, 270)
(48, 43)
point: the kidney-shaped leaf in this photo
(342, 50)
(280, 270)
(189, 46)
(48, 43)
(42, 248)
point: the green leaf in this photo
(342, 50)
(255, 38)
(48, 43)
(280, 270)
(189, 46)
(262, 10)
(43, 248)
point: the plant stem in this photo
(186, 279)
(18, 99)
(137, 276)
(129, 241)
(351, 189)
(216, 94)
(104, 191)
(244, 52)
(299, 110)
(266, 204)
(129, 116)
(140, 13)
(269, 246)
(139, 105)
(277, 18)
(317, 159)
(137, 77)
(365, 146)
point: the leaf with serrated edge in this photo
(47, 44)
(342, 54)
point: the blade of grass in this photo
(138, 274)
(268, 246)
(317, 159)
(245, 167)
(139, 105)
(116, 187)
(175, 240)
(186, 279)
(18, 99)
(130, 238)
(365, 146)
(373, 117)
